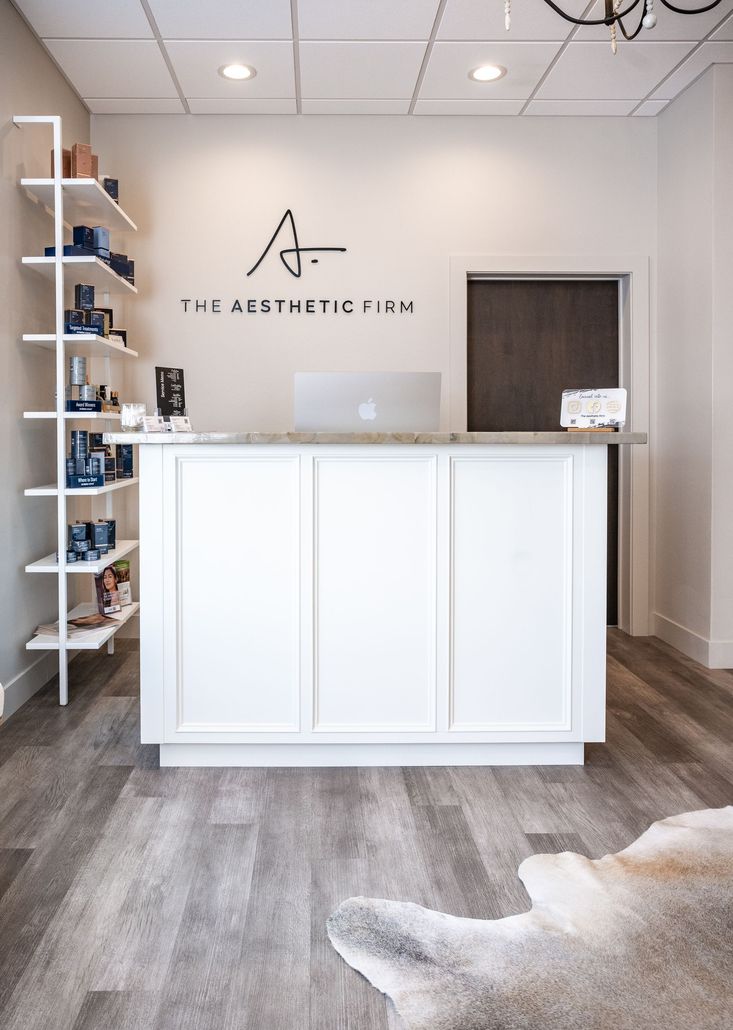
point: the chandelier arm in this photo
(636, 31)
(688, 10)
(606, 21)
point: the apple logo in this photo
(368, 411)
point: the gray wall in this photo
(29, 84)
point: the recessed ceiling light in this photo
(237, 71)
(487, 73)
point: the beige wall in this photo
(29, 84)
(693, 529)
(401, 194)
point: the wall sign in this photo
(293, 261)
(295, 249)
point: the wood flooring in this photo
(133, 897)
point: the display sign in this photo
(593, 409)
(169, 391)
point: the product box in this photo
(70, 329)
(70, 251)
(84, 296)
(91, 555)
(125, 468)
(124, 586)
(95, 166)
(120, 335)
(101, 237)
(102, 254)
(98, 533)
(84, 236)
(76, 531)
(65, 164)
(97, 322)
(76, 482)
(110, 470)
(74, 316)
(111, 186)
(130, 272)
(81, 161)
(119, 263)
(84, 406)
(107, 311)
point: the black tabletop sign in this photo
(170, 391)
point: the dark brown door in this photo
(528, 340)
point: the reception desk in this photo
(374, 599)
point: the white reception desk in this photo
(373, 600)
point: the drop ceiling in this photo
(408, 57)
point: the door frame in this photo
(632, 274)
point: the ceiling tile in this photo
(355, 106)
(725, 31)
(79, 19)
(241, 105)
(366, 19)
(696, 64)
(581, 108)
(669, 25)
(223, 19)
(469, 107)
(589, 71)
(114, 68)
(361, 71)
(197, 63)
(447, 78)
(484, 19)
(113, 105)
(650, 108)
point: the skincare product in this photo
(81, 161)
(111, 187)
(84, 296)
(84, 236)
(125, 469)
(73, 316)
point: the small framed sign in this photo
(593, 409)
(170, 391)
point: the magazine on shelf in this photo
(78, 626)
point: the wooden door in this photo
(528, 340)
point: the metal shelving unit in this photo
(72, 202)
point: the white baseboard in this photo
(261, 756)
(721, 654)
(29, 681)
(713, 654)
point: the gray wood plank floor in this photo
(133, 897)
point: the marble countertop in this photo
(377, 438)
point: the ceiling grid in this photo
(353, 57)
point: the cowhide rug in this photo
(640, 940)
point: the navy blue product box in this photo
(95, 322)
(100, 237)
(74, 316)
(107, 311)
(130, 272)
(84, 236)
(98, 534)
(103, 255)
(112, 188)
(72, 330)
(84, 406)
(119, 263)
(124, 456)
(84, 296)
(70, 251)
(74, 482)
